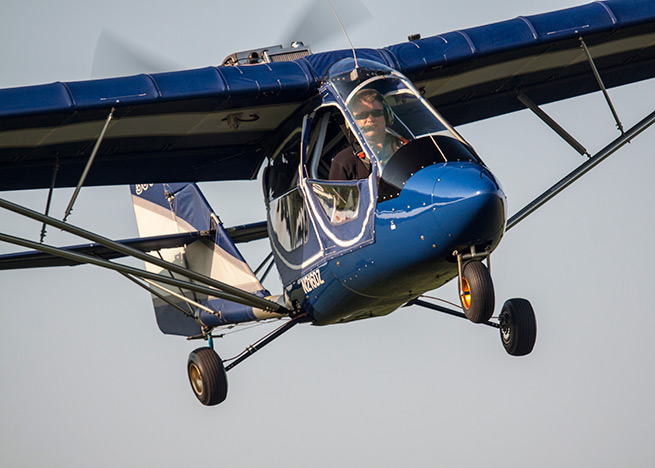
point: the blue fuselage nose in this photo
(469, 205)
(440, 209)
(453, 205)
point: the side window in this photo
(281, 175)
(288, 218)
(329, 135)
(287, 212)
(340, 202)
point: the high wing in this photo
(214, 123)
(475, 73)
(203, 124)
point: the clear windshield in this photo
(385, 107)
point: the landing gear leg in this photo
(208, 375)
(517, 324)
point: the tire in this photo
(477, 297)
(518, 327)
(207, 376)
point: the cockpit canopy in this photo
(407, 115)
(403, 131)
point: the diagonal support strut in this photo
(581, 170)
(229, 290)
(252, 349)
(584, 47)
(527, 102)
(69, 208)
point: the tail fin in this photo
(174, 208)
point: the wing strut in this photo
(619, 125)
(88, 164)
(227, 291)
(581, 170)
(527, 102)
(52, 188)
(269, 258)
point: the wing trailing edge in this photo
(213, 123)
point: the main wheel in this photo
(518, 327)
(477, 292)
(207, 376)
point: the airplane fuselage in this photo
(441, 209)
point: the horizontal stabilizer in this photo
(21, 260)
(32, 259)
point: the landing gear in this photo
(517, 324)
(476, 292)
(518, 327)
(207, 376)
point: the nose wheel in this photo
(476, 292)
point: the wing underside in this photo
(214, 123)
(205, 124)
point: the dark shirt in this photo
(347, 165)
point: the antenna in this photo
(346, 34)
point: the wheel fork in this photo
(462, 258)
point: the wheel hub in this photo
(465, 294)
(196, 379)
(505, 329)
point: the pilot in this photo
(372, 116)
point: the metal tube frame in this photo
(448, 311)
(252, 349)
(87, 168)
(590, 59)
(82, 258)
(55, 170)
(575, 144)
(235, 294)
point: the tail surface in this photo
(176, 208)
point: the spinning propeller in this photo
(116, 55)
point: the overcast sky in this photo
(87, 379)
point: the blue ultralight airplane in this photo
(373, 198)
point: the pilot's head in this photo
(370, 113)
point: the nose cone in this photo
(470, 205)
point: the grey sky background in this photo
(87, 379)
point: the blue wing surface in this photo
(213, 123)
(475, 73)
(203, 124)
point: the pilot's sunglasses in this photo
(364, 115)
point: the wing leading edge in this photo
(204, 124)
(213, 123)
(475, 73)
